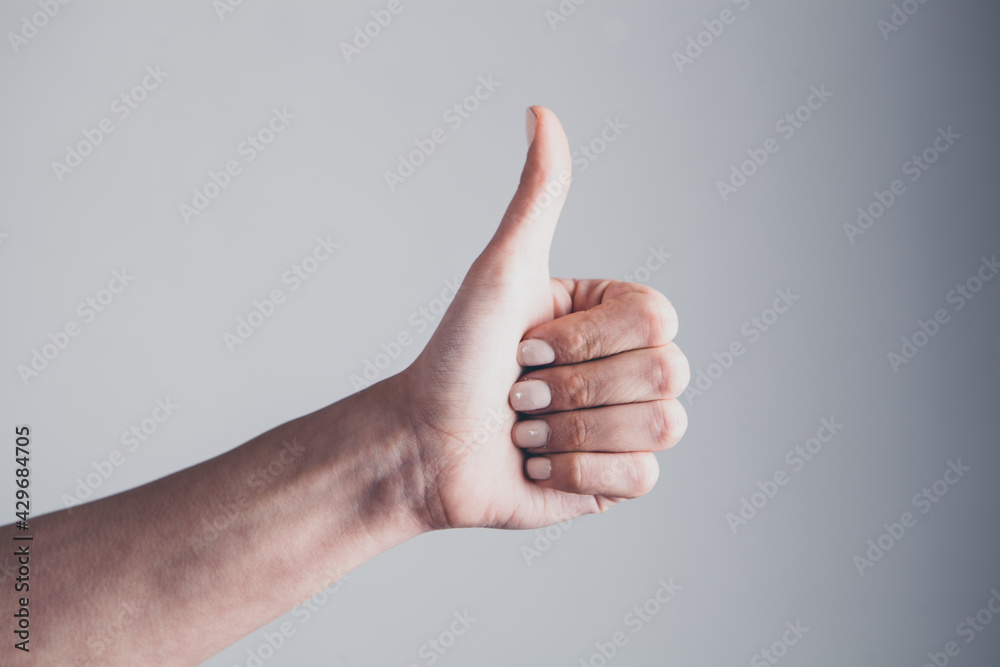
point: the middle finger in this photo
(635, 376)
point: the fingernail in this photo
(530, 122)
(530, 395)
(535, 352)
(531, 433)
(539, 467)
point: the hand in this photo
(600, 394)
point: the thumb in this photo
(530, 221)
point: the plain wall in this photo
(653, 191)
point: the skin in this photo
(176, 570)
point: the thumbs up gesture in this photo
(537, 399)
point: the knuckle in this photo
(644, 473)
(681, 419)
(620, 287)
(671, 371)
(578, 343)
(658, 317)
(578, 431)
(669, 423)
(579, 390)
(683, 369)
(662, 425)
(662, 371)
(574, 474)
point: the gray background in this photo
(653, 187)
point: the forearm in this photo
(174, 571)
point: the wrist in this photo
(372, 463)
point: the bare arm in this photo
(176, 570)
(535, 401)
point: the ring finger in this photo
(652, 426)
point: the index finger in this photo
(598, 318)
